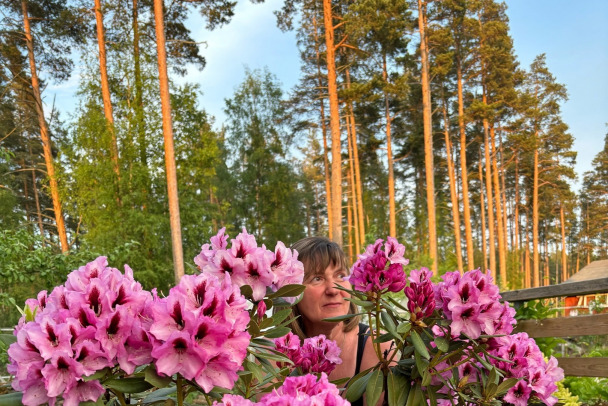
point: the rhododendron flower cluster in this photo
(93, 321)
(378, 269)
(199, 331)
(303, 390)
(526, 362)
(317, 354)
(420, 294)
(472, 303)
(248, 264)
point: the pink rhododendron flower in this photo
(420, 295)
(234, 400)
(472, 303)
(80, 328)
(305, 390)
(380, 270)
(537, 377)
(247, 264)
(199, 332)
(316, 354)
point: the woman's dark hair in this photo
(317, 254)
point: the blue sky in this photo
(573, 35)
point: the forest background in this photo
(446, 140)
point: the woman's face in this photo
(321, 299)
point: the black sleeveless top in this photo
(361, 340)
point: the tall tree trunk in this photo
(453, 192)
(139, 103)
(44, 133)
(358, 187)
(35, 191)
(464, 174)
(349, 217)
(176, 232)
(351, 178)
(328, 194)
(563, 230)
(392, 221)
(535, 242)
(502, 251)
(428, 135)
(491, 241)
(484, 247)
(334, 113)
(105, 93)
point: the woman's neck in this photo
(333, 331)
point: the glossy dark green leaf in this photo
(374, 387)
(342, 318)
(152, 377)
(506, 385)
(288, 291)
(357, 387)
(11, 399)
(398, 387)
(276, 332)
(128, 385)
(419, 344)
(442, 344)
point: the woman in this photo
(324, 268)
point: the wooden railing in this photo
(562, 327)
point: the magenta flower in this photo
(472, 303)
(247, 264)
(519, 394)
(198, 331)
(92, 322)
(83, 392)
(61, 373)
(234, 400)
(380, 271)
(421, 298)
(178, 355)
(305, 390)
(317, 354)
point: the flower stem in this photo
(121, 397)
(377, 345)
(180, 390)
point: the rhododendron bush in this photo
(221, 337)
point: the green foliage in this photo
(588, 390)
(537, 310)
(28, 267)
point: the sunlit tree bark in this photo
(428, 135)
(334, 111)
(176, 233)
(44, 133)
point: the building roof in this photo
(595, 270)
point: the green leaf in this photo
(398, 389)
(247, 291)
(384, 338)
(442, 344)
(419, 344)
(341, 318)
(152, 377)
(404, 327)
(8, 339)
(273, 356)
(276, 332)
(415, 396)
(128, 385)
(279, 316)
(263, 342)
(506, 385)
(490, 390)
(160, 395)
(374, 387)
(97, 375)
(255, 369)
(288, 291)
(357, 387)
(362, 303)
(11, 399)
